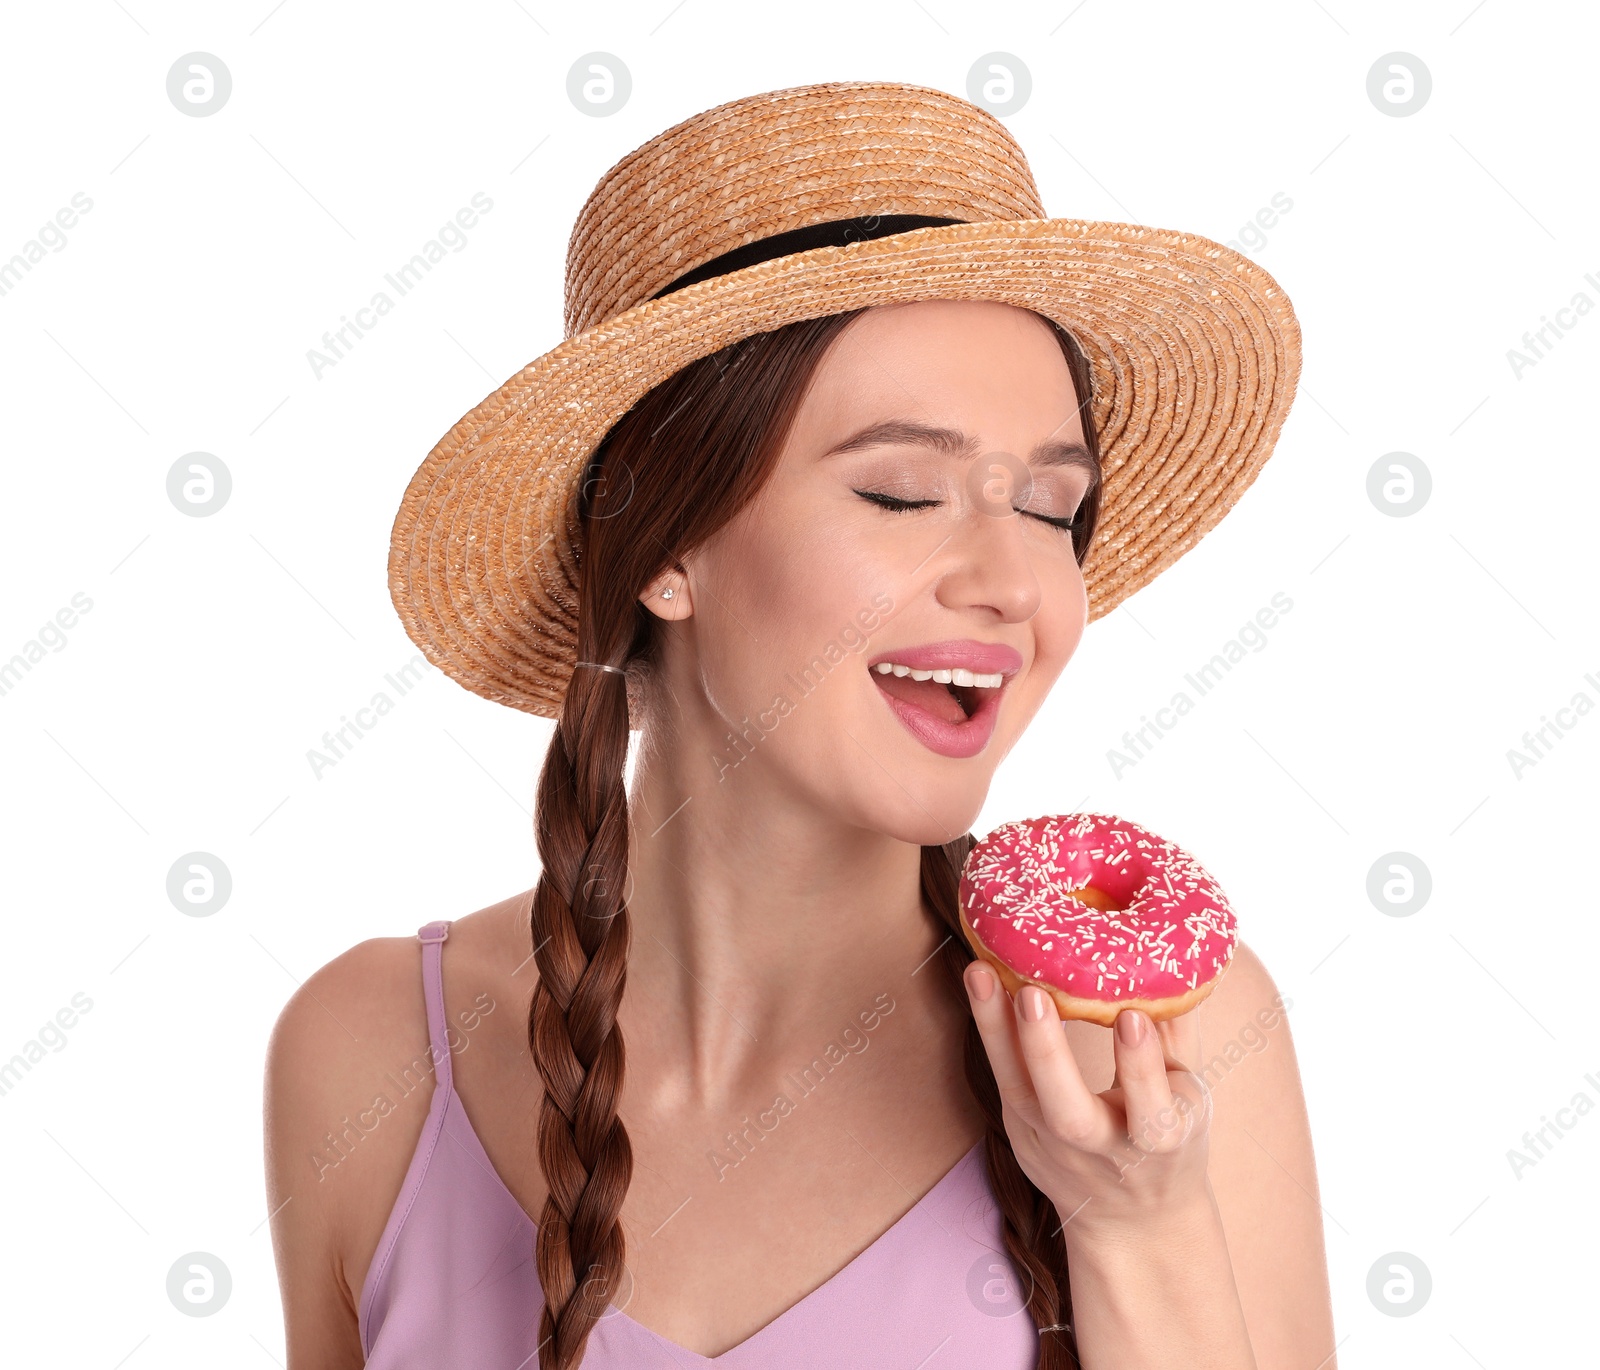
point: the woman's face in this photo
(904, 524)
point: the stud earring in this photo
(667, 593)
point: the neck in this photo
(761, 926)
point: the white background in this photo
(1377, 718)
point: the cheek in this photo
(1059, 625)
(759, 567)
(793, 593)
(850, 578)
(816, 592)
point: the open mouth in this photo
(945, 700)
(951, 709)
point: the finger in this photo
(1154, 1124)
(1180, 1038)
(1192, 1098)
(1072, 1113)
(991, 1009)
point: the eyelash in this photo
(906, 506)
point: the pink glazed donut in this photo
(1099, 913)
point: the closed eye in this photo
(890, 502)
(1067, 525)
(906, 506)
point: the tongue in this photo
(925, 694)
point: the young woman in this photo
(726, 1087)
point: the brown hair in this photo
(681, 463)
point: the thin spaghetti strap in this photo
(432, 936)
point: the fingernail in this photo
(1130, 1027)
(980, 984)
(1033, 1003)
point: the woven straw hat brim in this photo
(1194, 352)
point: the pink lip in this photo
(971, 736)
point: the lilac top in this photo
(453, 1281)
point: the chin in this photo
(929, 820)
(920, 796)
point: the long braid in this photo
(581, 933)
(687, 456)
(685, 459)
(1031, 1225)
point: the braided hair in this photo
(681, 463)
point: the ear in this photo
(667, 596)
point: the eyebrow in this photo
(953, 442)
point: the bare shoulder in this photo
(1262, 1166)
(1241, 1016)
(331, 1168)
(1234, 1020)
(349, 1079)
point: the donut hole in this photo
(1096, 899)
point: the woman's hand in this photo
(1130, 1156)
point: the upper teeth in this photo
(953, 676)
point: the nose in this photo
(986, 564)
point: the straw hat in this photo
(810, 201)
